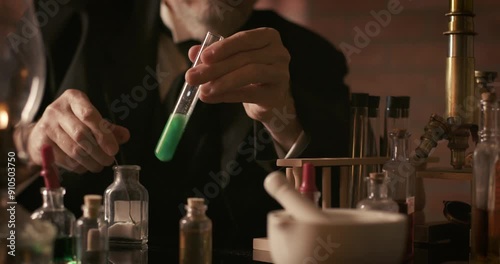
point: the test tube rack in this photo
(294, 176)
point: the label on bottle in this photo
(410, 201)
(125, 210)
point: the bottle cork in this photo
(377, 176)
(196, 202)
(93, 203)
(92, 200)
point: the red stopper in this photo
(49, 169)
(308, 179)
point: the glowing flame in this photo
(4, 116)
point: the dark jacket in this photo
(223, 156)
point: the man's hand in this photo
(251, 67)
(82, 140)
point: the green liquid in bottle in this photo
(171, 136)
(64, 251)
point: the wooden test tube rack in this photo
(294, 176)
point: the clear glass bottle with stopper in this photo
(401, 186)
(195, 234)
(54, 211)
(126, 203)
(378, 198)
(91, 232)
(485, 226)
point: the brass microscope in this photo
(464, 86)
(459, 126)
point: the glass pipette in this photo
(179, 118)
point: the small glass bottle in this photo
(195, 234)
(485, 226)
(401, 181)
(378, 198)
(54, 211)
(308, 186)
(126, 203)
(91, 232)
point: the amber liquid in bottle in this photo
(486, 225)
(195, 240)
(195, 247)
(404, 209)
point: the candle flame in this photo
(4, 116)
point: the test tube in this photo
(179, 118)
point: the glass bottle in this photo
(378, 198)
(136, 255)
(485, 227)
(91, 232)
(401, 181)
(195, 234)
(54, 211)
(126, 203)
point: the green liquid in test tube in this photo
(172, 133)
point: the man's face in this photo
(223, 16)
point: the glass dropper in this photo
(179, 118)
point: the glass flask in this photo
(54, 211)
(378, 198)
(126, 203)
(195, 234)
(485, 226)
(401, 180)
(91, 232)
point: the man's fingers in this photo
(84, 137)
(193, 51)
(121, 134)
(73, 150)
(203, 73)
(241, 41)
(90, 116)
(66, 162)
(252, 73)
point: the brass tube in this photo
(460, 94)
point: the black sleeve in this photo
(317, 73)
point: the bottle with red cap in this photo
(54, 211)
(308, 186)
